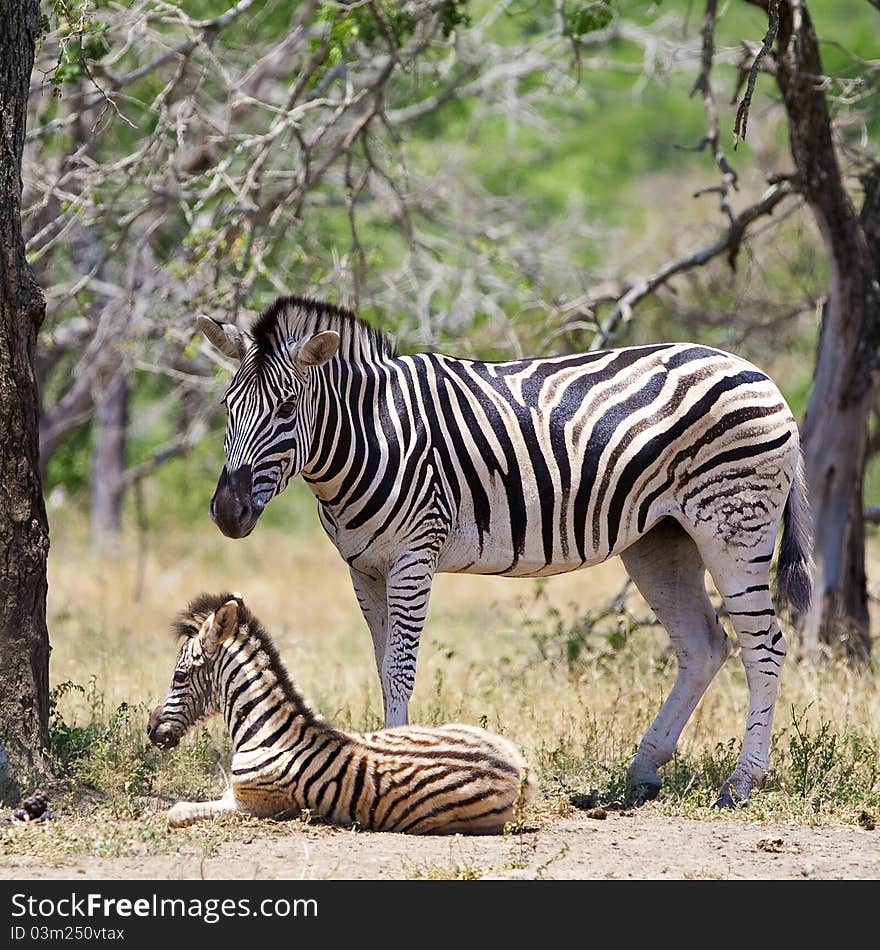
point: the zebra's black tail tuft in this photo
(794, 570)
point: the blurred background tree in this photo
(488, 178)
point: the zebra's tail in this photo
(794, 569)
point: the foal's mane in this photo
(189, 621)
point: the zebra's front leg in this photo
(371, 591)
(408, 592)
(188, 813)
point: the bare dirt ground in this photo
(625, 846)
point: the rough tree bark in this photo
(836, 424)
(24, 530)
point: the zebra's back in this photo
(546, 465)
(578, 456)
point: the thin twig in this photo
(730, 241)
(742, 113)
(712, 140)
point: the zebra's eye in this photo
(180, 676)
(286, 409)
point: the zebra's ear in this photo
(317, 349)
(224, 623)
(227, 337)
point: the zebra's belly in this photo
(520, 569)
(466, 553)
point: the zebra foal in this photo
(286, 759)
(676, 457)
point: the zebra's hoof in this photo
(642, 792)
(179, 815)
(726, 800)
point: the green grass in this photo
(111, 759)
(573, 669)
(113, 787)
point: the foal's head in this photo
(194, 693)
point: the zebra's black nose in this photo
(232, 509)
(160, 733)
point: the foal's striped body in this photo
(287, 760)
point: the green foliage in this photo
(112, 755)
(827, 768)
(695, 780)
(83, 39)
(816, 771)
(70, 465)
(67, 742)
(379, 23)
(583, 774)
(595, 636)
(582, 18)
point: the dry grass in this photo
(533, 660)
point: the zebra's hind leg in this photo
(668, 571)
(743, 582)
(188, 813)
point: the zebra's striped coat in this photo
(678, 457)
(287, 760)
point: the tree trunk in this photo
(108, 463)
(24, 530)
(855, 585)
(835, 429)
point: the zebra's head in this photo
(270, 419)
(194, 693)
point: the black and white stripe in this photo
(426, 462)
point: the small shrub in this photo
(112, 755)
(825, 769)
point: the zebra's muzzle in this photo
(232, 507)
(160, 733)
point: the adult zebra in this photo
(677, 457)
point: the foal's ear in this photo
(226, 337)
(221, 624)
(317, 349)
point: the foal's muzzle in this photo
(161, 733)
(232, 507)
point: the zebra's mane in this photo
(189, 621)
(299, 317)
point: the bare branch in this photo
(704, 85)
(178, 445)
(742, 113)
(730, 242)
